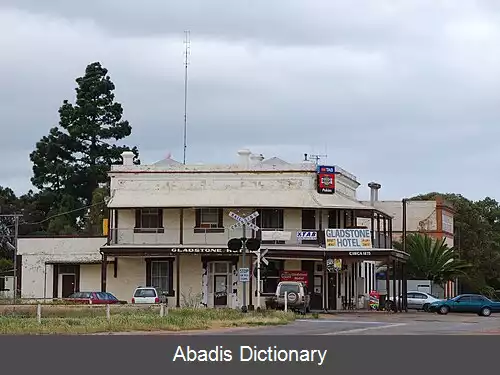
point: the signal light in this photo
(253, 244)
(235, 244)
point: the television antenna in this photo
(187, 52)
(315, 158)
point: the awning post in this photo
(104, 271)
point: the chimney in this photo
(256, 159)
(374, 187)
(244, 157)
(128, 158)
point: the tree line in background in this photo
(70, 166)
(71, 163)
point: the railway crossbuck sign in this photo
(260, 258)
(244, 220)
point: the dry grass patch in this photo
(89, 319)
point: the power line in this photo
(56, 215)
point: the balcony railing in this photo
(220, 237)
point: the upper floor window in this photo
(149, 220)
(270, 220)
(209, 220)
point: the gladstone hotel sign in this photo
(203, 250)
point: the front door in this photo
(68, 285)
(220, 290)
(462, 304)
(332, 291)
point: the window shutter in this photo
(198, 218)
(160, 218)
(138, 219)
(220, 218)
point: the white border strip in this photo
(357, 330)
(337, 321)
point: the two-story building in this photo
(169, 226)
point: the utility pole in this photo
(13, 246)
(244, 307)
(244, 244)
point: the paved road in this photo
(380, 324)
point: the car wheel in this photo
(425, 307)
(485, 311)
(443, 310)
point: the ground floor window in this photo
(159, 274)
(271, 274)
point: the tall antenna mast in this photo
(187, 45)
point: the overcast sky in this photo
(405, 93)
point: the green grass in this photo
(92, 319)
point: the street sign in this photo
(244, 274)
(307, 235)
(244, 220)
(262, 258)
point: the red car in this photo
(94, 298)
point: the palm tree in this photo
(432, 259)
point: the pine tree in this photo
(75, 157)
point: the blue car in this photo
(466, 303)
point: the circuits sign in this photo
(325, 179)
(337, 239)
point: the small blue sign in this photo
(307, 235)
(325, 169)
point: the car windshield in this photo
(432, 295)
(145, 293)
(288, 288)
(111, 297)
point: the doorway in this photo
(219, 276)
(68, 285)
(220, 290)
(332, 291)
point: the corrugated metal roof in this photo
(232, 198)
(166, 161)
(275, 161)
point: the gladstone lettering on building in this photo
(348, 238)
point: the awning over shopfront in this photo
(75, 262)
(233, 198)
(373, 254)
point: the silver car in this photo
(419, 300)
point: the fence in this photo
(45, 311)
